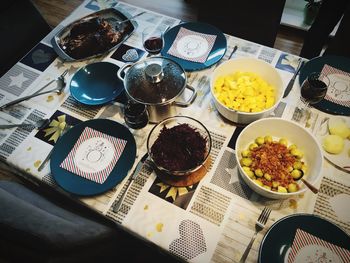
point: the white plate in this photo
(342, 159)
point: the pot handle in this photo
(190, 100)
(122, 69)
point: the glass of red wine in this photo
(152, 40)
(313, 90)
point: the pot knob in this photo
(154, 73)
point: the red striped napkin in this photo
(94, 155)
(339, 89)
(191, 45)
(311, 249)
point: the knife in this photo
(291, 82)
(131, 179)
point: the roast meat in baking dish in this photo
(90, 37)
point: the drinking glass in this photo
(152, 40)
(313, 90)
(135, 115)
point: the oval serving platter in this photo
(112, 16)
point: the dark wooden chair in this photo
(21, 28)
(253, 20)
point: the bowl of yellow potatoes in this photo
(246, 89)
(273, 154)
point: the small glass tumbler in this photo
(135, 115)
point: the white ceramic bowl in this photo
(295, 134)
(260, 67)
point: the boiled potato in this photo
(338, 126)
(245, 153)
(333, 144)
(246, 161)
(258, 182)
(268, 138)
(282, 189)
(283, 141)
(259, 140)
(292, 188)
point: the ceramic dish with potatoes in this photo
(246, 89)
(273, 154)
(334, 136)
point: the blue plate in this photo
(78, 185)
(96, 83)
(279, 238)
(216, 53)
(316, 64)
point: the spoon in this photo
(61, 83)
(130, 18)
(38, 124)
(310, 186)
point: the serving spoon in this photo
(61, 84)
(310, 186)
(39, 124)
(118, 23)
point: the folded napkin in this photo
(339, 89)
(192, 46)
(311, 249)
(94, 155)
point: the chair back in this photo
(253, 20)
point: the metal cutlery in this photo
(310, 186)
(259, 225)
(233, 51)
(130, 18)
(60, 86)
(60, 81)
(43, 164)
(133, 176)
(38, 124)
(291, 82)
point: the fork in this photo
(43, 164)
(61, 83)
(259, 225)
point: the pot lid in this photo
(155, 80)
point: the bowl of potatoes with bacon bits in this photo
(273, 154)
(246, 89)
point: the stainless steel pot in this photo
(159, 83)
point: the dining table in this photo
(212, 220)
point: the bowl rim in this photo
(270, 193)
(278, 100)
(179, 172)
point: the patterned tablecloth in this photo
(211, 221)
